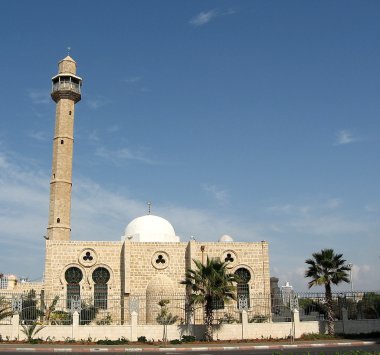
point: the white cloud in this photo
(220, 195)
(39, 97)
(327, 226)
(302, 210)
(333, 203)
(203, 17)
(116, 156)
(99, 213)
(345, 137)
(289, 209)
(370, 208)
(112, 129)
(133, 79)
(229, 12)
(97, 102)
(93, 136)
(38, 135)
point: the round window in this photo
(160, 260)
(73, 275)
(243, 275)
(101, 275)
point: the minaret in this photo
(66, 92)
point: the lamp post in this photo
(350, 265)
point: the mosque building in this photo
(149, 260)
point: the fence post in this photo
(75, 327)
(15, 326)
(296, 323)
(344, 314)
(244, 323)
(344, 319)
(133, 326)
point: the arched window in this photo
(243, 276)
(100, 277)
(73, 277)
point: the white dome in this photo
(225, 238)
(150, 228)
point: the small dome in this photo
(150, 228)
(225, 238)
(160, 284)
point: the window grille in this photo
(242, 287)
(73, 277)
(100, 277)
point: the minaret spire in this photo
(66, 92)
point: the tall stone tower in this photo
(66, 92)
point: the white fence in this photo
(237, 331)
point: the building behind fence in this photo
(260, 308)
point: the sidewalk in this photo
(191, 347)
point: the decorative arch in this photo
(245, 275)
(73, 276)
(158, 288)
(100, 277)
(111, 282)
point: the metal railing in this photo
(359, 305)
(260, 308)
(66, 85)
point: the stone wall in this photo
(87, 256)
(245, 330)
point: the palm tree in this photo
(31, 330)
(327, 268)
(210, 285)
(5, 308)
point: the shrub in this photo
(87, 313)
(258, 318)
(119, 341)
(175, 341)
(187, 338)
(316, 336)
(60, 317)
(69, 340)
(227, 319)
(31, 330)
(107, 320)
(142, 339)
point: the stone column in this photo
(75, 327)
(244, 324)
(296, 329)
(133, 326)
(15, 326)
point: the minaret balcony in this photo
(66, 86)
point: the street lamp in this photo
(352, 286)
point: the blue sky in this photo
(257, 119)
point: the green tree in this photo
(210, 286)
(165, 318)
(324, 269)
(31, 310)
(369, 306)
(5, 308)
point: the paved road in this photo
(301, 349)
